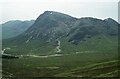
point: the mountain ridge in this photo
(15, 27)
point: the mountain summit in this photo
(54, 32)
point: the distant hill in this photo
(13, 28)
(54, 32)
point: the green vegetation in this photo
(88, 47)
(73, 65)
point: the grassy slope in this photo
(104, 44)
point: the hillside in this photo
(61, 33)
(13, 28)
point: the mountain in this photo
(54, 32)
(13, 28)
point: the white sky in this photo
(31, 9)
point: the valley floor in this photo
(73, 65)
